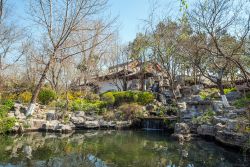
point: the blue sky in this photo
(131, 14)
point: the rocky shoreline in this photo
(223, 129)
(51, 121)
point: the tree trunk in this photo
(125, 84)
(37, 89)
(222, 94)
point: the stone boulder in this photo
(186, 91)
(196, 98)
(218, 106)
(107, 124)
(182, 138)
(63, 128)
(88, 118)
(123, 124)
(219, 127)
(232, 138)
(241, 111)
(231, 115)
(206, 130)
(80, 114)
(181, 128)
(150, 107)
(17, 113)
(21, 116)
(51, 125)
(91, 124)
(231, 96)
(232, 125)
(51, 115)
(197, 88)
(77, 120)
(219, 119)
(182, 106)
(182, 132)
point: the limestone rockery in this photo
(52, 121)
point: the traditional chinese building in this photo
(132, 75)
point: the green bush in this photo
(3, 111)
(108, 98)
(145, 98)
(124, 97)
(6, 124)
(205, 118)
(130, 97)
(83, 105)
(8, 103)
(242, 102)
(228, 90)
(209, 93)
(25, 97)
(46, 95)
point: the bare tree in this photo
(11, 47)
(59, 20)
(222, 27)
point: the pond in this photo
(113, 149)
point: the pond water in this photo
(113, 149)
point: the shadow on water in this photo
(113, 149)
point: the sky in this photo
(131, 14)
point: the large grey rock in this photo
(197, 88)
(219, 127)
(231, 96)
(104, 124)
(123, 124)
(218, 106)
(17, 113)
(182, 138)
(182, 106)
(91, 124)
(231, 115)
(232, 125)
(51, 125)
(219, 119)
(21, 116)
(88, 118)
(77, 120)
(188, 115)
(51, 115)
(196, 98)
(241, 111)
(186, 91)
(181, 128)
(150, 107)
(206, 130)
(80, 114)
(232, 138)
(63, 128)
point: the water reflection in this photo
(112, 149)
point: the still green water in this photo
(113, 149)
